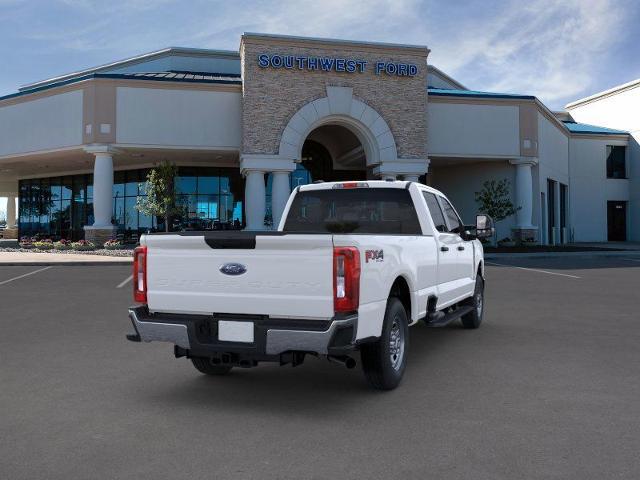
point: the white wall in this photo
(620, 111)
(42, 124)
(590, 189)
(190, 118)
(553, 163)
(464, 129)
(460, 182)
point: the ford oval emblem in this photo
(233, 269)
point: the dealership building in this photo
(246, 127)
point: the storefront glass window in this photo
(59, 207)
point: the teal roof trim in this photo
(184, 77)
(443, 92)
(585, 128)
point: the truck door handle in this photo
(444, 249)
(460, 248)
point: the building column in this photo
(254, 166)
(11, 212)
(280, 191)
(408, 169)
(102, 228)
(254, 199)
(524, 229)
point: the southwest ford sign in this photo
(334, 64)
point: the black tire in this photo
(473, 319)
(203, 365)
(383, 368)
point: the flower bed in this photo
(83, 245)
(62, 245)
(113, 245)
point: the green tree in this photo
(160, 199)
(495, 199)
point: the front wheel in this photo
(203, 365)
(473, 319)
(384, 361)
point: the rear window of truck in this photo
(353, 210)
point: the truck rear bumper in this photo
(197, 334)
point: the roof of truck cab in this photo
(398, 184)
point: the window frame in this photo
(435, 196)
(443, 199)
(608, 150)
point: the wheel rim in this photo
(479, 303)
(396, 344)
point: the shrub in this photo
(83, 245)
(62, 245)
(26, 242)
(112, 244)
(46, 244)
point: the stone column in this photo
(102, 228)
(279, 195)
(254, 198)
(524, 230)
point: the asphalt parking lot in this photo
(548, 387)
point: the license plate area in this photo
(235, 331)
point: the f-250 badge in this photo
(374, 256)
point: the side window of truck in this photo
(435, 211)
(455, 225)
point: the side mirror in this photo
(484, 226)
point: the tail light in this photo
(140, 275)
(346, 279)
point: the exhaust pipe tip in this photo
(344, 360)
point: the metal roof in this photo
(187, 77)
(585, 128)
(444, 92)
(135, 60)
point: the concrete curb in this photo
(617, 253)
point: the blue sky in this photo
(557, 50)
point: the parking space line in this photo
(533, 270)
(125, 281)
(25, 275)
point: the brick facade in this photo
(271, 96)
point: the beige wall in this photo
(272, 96)
(473, 129)
(172, 117)
(45, 123)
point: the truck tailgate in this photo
(285, 275)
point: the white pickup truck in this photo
(350, 268)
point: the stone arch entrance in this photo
(338, 110)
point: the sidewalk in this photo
(635, 254)
(35, 259)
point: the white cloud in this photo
(548, 48)
(545, 48)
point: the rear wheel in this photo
(473, 319)
(384, 361)
(203, 365)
